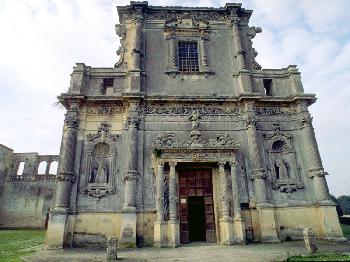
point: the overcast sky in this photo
(41, 40)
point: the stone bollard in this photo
(112, 248)
(310, 240)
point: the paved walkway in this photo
(201, 252)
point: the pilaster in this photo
(226, 227)
(56, 233)
(238, 222)
(315, 168)
(159, 225)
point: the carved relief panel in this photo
(100, 159)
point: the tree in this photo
(338, 207)
(344, 202)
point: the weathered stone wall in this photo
(24, 198)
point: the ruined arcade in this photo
(187, 139)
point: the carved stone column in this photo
(239, 51)
(128, 218)
(203, 52)
(224, 196)
(65, 175)
(160, 190)
(258, 171)
(159, 223)
(316, 171)
(265, 210)
(172, 53)
(132, 174)
(172, 192)
(174, 229)
(136, 51)
(56, 233)
(226, 229)
(238, 222)
(235, 190)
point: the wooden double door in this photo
(196, 206)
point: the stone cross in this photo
(310, 240)
(112, 247)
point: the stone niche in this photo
(100, 159)
(282, 162)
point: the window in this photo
(268, 86)
(42, 167)
(188, 57)
(20, 168)
(53, 168)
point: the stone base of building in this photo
(267, 225)
(127, 236)
(56, 234)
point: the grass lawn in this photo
(321, 257)
(12, 243)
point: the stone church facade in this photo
(187, 139)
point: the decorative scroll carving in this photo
(102, 134)
(198, 16)
(187, 109)
(72, 121)
(104, 109)
(99, 162)
(268, 111)
(282, 161)
(222, 140)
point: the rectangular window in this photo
(188, 57)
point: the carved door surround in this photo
(100, 159)
(217, 151)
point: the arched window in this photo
(53, 168)
(42, 167)
(20, 168)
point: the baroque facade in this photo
(186, 138)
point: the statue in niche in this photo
(281, 168)
(100, 164)
(100, 172)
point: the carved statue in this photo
(100, 164)
(281, 166)
(102, 172)
(195, 117)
